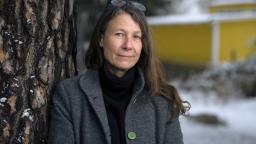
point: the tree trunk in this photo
(37, 50)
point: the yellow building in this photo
(227, 33)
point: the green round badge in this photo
(131, 135)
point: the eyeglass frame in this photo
(123, 3)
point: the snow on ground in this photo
(195, 133)
(238, 114)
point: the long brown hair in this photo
(155, 77)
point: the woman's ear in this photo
(101, 40)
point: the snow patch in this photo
(20, 42)
(16, 85)
(238, 114)
(4, 99)
(26, 113)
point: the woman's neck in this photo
(115, 71)
(111, 82)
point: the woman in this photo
(124, 96)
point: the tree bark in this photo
(37, 50)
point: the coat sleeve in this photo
(61, 128)
(173, 134)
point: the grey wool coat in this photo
(78, 115)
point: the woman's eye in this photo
(119, 34)
(137, 37)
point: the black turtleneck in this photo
(117, 93)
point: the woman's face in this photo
(121, 43)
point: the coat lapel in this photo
(140, 115)
(90, 84)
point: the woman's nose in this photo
(128, 43)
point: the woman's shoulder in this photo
(162, 105)
(83, 75)
(160, 100)
(74, 82)
(69, 82)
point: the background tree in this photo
(37, 49)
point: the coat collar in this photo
(90, 84)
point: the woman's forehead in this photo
(123, 21)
